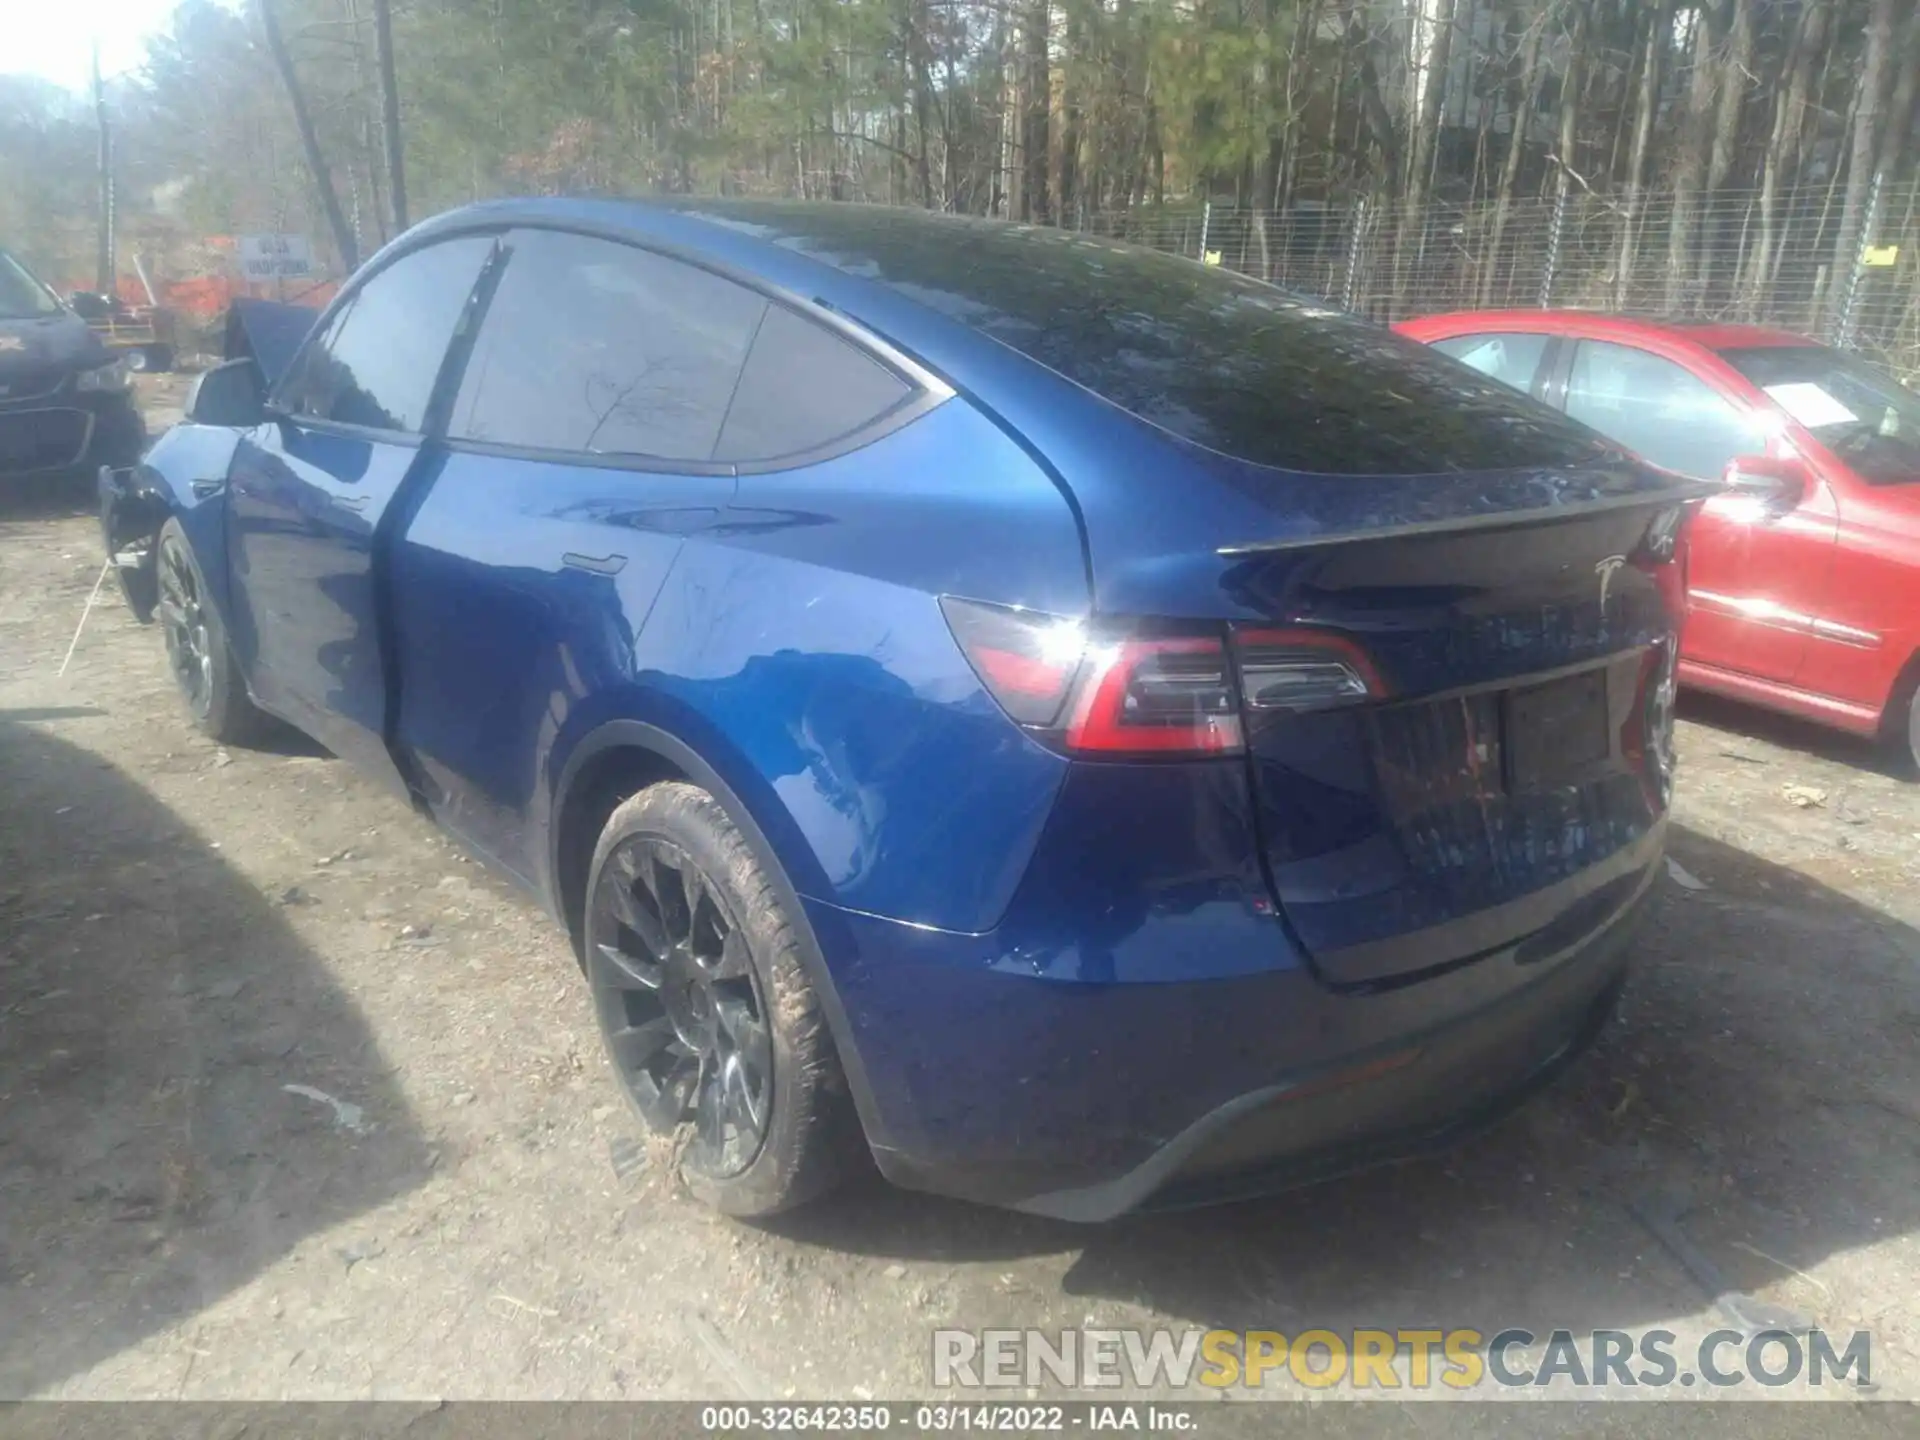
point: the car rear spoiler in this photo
(1679, 492)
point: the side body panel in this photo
(520, 587)
(1866, 627)
(184, 477)
(305, 508)
(789, 633)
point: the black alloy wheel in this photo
(680, 1003)
(183, 620)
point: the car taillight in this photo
(1172, 694)
(1094, 692)
(1027, 659)
(1302, 669)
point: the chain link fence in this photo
(1739, 256)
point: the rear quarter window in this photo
(803, 388)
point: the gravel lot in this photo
(187, 932)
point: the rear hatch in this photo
(1458, 728)
(1451, 610)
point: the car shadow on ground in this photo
(1790, 732)
(153, 1008)
(48, 497)
(1758, 1091)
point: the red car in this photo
(1805, 576)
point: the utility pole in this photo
(103, 268)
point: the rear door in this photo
(311, 487)
(581, 457)
(1753, 576)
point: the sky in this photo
(54, 38)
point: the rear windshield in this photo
(1858, 411)
(1220, 360)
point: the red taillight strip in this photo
(1097, 722)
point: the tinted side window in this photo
(1510, 359)
(1660, 410)
(803, 387)
(377, 361)
(595, 346)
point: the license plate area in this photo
(1557, 732)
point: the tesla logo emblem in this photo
(1604, 569)
(12, 342)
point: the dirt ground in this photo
(297, 1102)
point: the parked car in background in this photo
(1804, 576)
(66, 402)
(1091, 728)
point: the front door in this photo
(311, 487)
(1752, 574)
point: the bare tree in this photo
(1782, 159)
(1903, 110)
(1874, 74)
(343, 238)
(1522, 102)
(1696, 140)
(1432, 50)
(1646, 113)
(1036, 112)
(390, 111)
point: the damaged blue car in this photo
(1081, 728)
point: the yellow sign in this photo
(1212, 257)
(1880, 255)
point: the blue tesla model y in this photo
(1085, 728)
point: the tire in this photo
(197, 649)
(139, 361)
(714, 1032)
(1906, 737)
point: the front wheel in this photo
(197, 649)
(714, 1031)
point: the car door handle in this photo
(604, 565)
(207, 489)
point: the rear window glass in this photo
(1211, 356)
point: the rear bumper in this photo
(1085, 1101)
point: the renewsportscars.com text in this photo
(1453, 1360)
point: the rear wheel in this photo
(1907, 738)
(197, 648)
(715, 1034)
